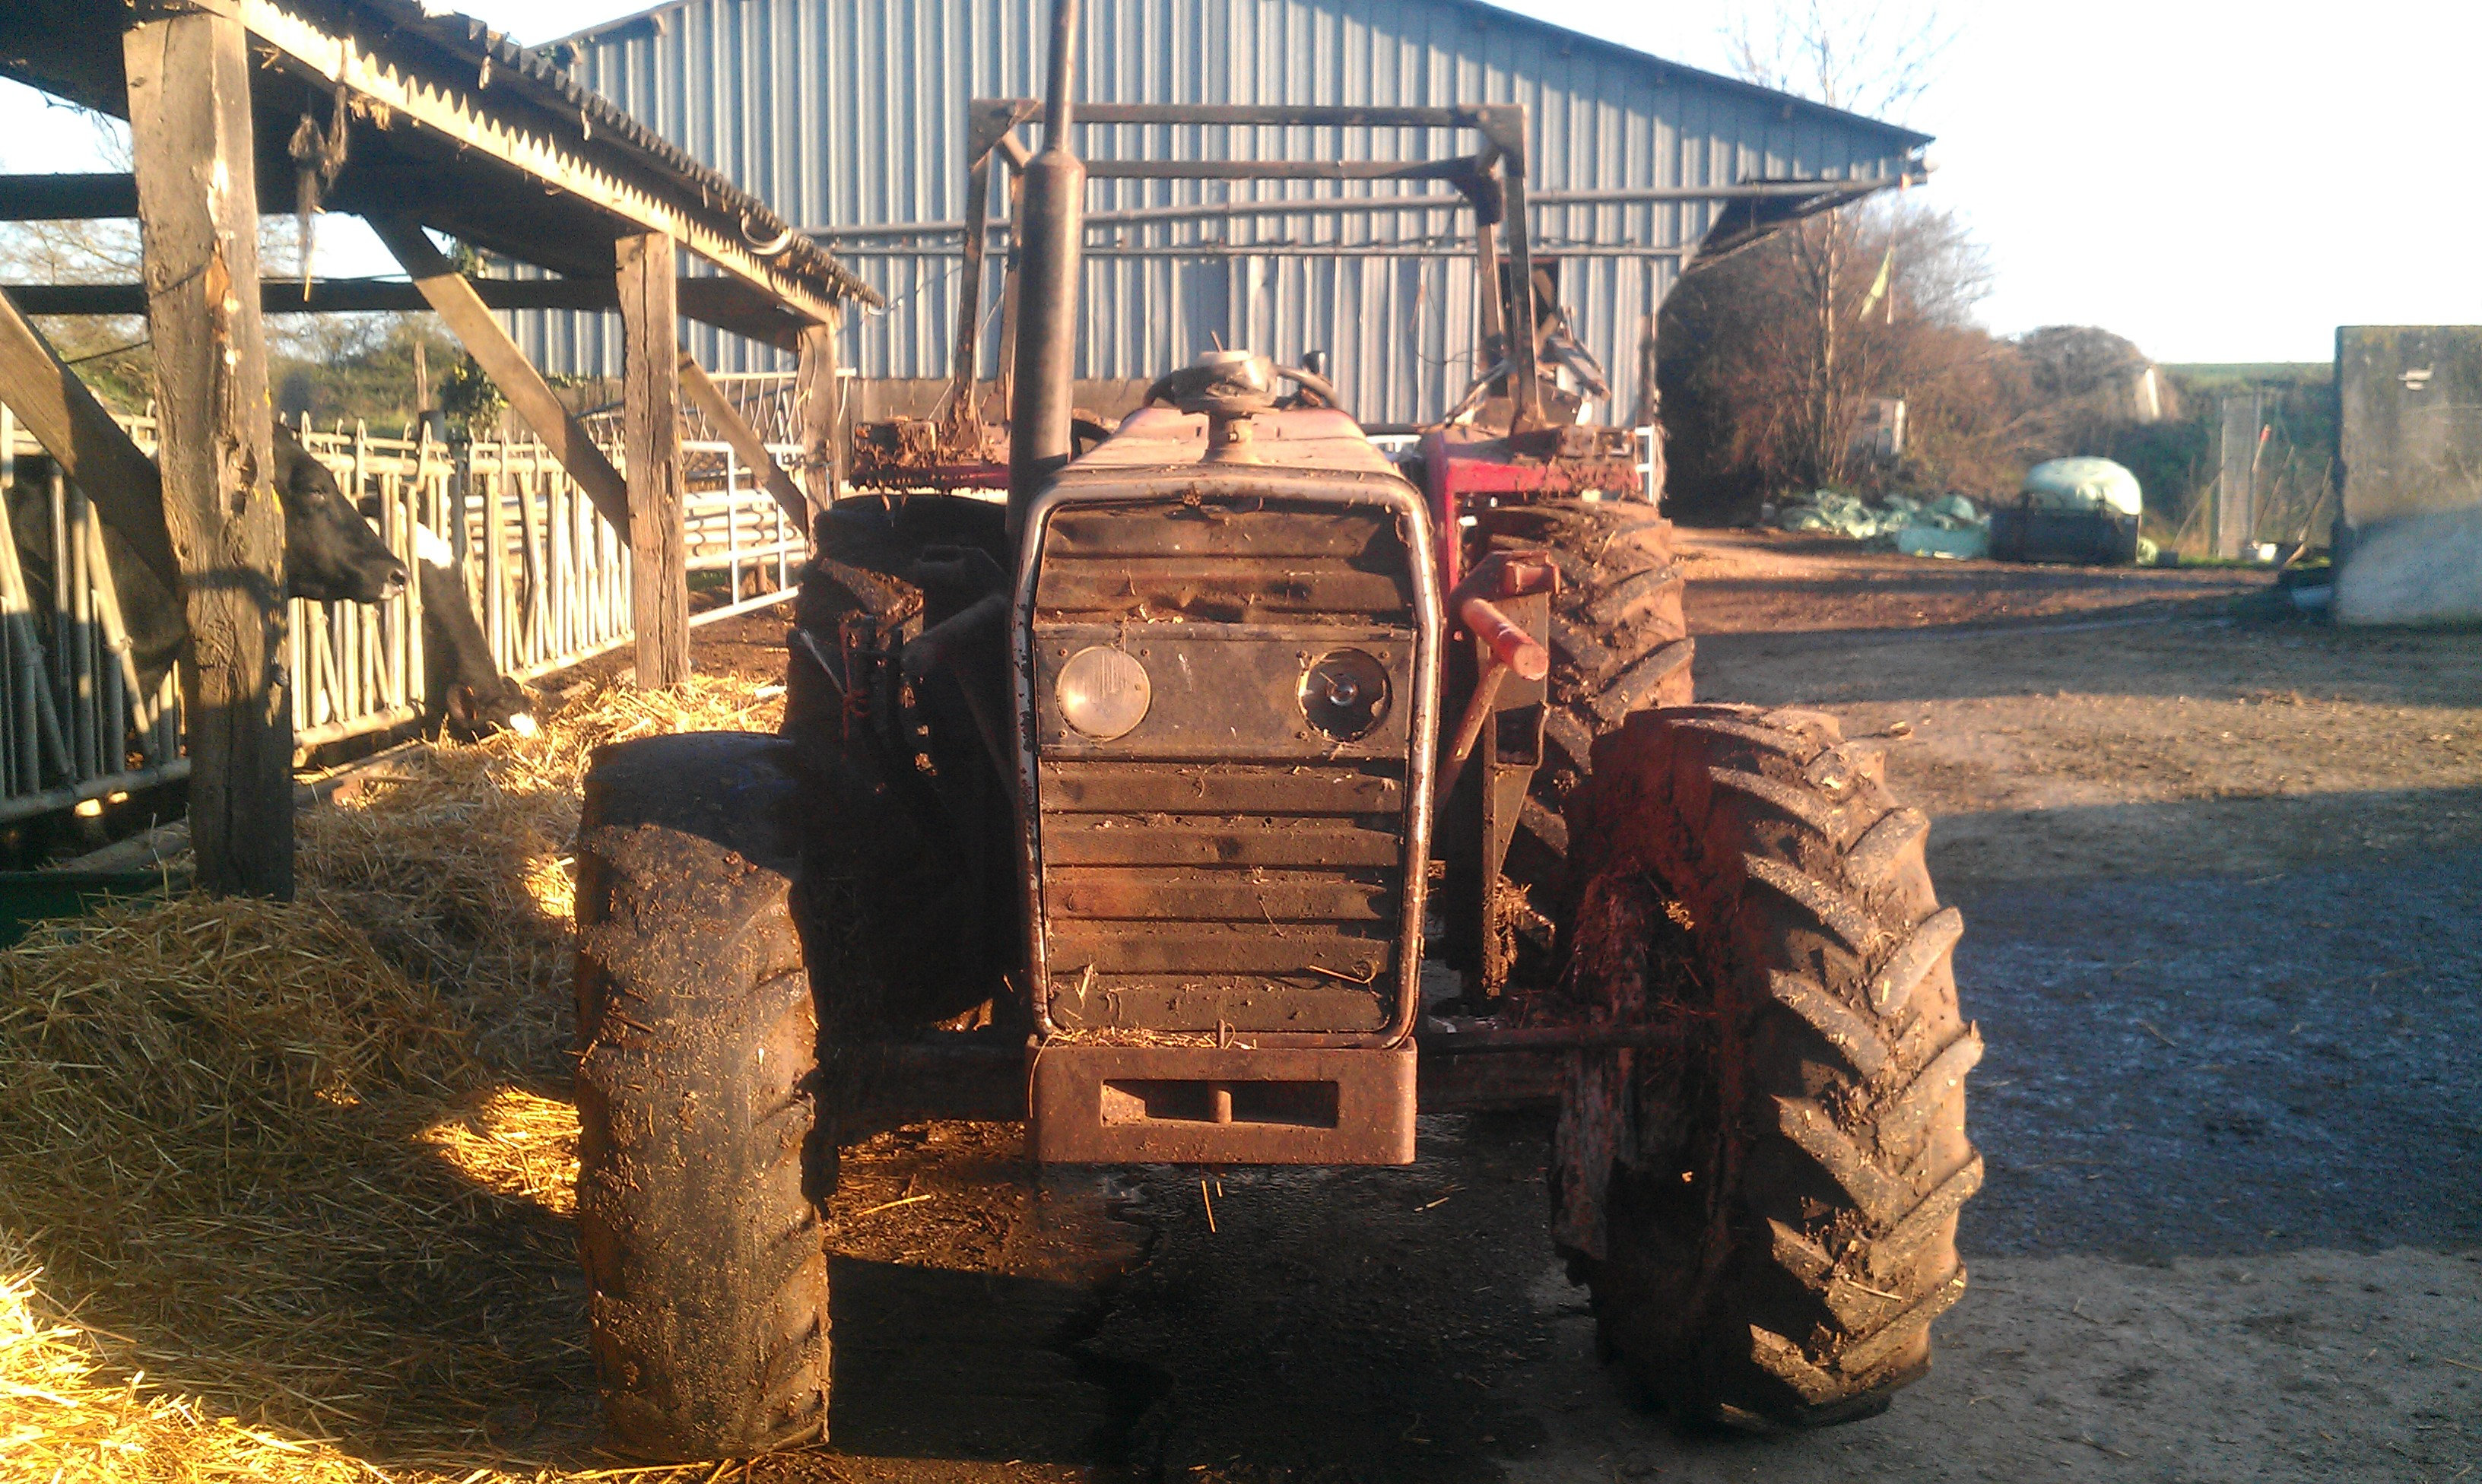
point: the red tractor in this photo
(1130, 808)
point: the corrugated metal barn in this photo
(850, 114)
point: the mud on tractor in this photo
(1130, 808)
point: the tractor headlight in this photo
(1345, 693)
(1104, 693)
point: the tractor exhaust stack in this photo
(1044, 378)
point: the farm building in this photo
(202, 540)
(849, 117)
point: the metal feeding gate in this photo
(548, 576)
(72, 724)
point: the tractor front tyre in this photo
(1763, 1198)
(696, 1226)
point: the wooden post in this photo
(1006, 386)
(817, 395)
(1648, 407)
(651, 393)
(533, 399)
(197, 216)
(965, 425)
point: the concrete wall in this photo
(2409, 469)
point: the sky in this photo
(2218, 181)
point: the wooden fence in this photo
(548, 576)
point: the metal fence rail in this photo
(548, 576)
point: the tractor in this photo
(1130, 807)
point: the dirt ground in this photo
(2223, 876)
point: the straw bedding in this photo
(284, 1189)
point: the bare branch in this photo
(1876, 59)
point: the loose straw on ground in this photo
(284, 1189)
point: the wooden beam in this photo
(745, 441)
(461, 110)
(198, 201)
(651, 393)
(469, 319)
(66, 198)
(818, 395)
(723, 303)
(63, 196)
(92, 448)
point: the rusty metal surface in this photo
(1319, 439)
(1157, 839)
(1285, 999)
(1224, 589)
(1094, 1104)
(1306, 896)
(1226, 691)
(1467, 462)
(1235, 858)
(982, 1077)
(1182, 896)
(1511, 753)
(918, 452)
(1229, 788)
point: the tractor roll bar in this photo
(1051, 199)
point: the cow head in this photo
(331, 555)
(478, 710)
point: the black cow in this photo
(467, 689)
(331, 555)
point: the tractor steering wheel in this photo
(1315, 390)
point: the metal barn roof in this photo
(851, 113)
(453, 124)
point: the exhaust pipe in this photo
(1048, 268)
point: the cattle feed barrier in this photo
(548, 578)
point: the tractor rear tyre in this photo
(1619, 645)
(696, 1226)
(1763, 1201)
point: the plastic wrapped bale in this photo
(1966, 543)
(1958, 508)
(1832, 513)
(2070, 510)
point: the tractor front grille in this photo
(1229, 864)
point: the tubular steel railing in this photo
(548, 576)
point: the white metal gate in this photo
(548, 578)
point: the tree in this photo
(1819, 279)
(1876, 60)
(359, 368)
(110, 353)
(329, 366)
(1753, 407)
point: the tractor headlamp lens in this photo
(1344, 695)
(1104, 693)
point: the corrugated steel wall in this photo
(847, 113)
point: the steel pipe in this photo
(1042, 378)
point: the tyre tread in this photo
(704, 1257)
(1837, 1215)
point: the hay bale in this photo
(285, 1188)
